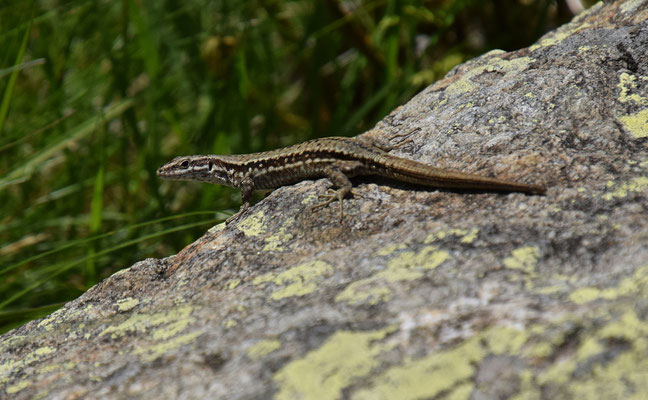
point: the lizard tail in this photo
(421, 174)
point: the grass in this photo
(97, 94)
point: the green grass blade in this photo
(6, 97)
(81, 260)
(146, 38)
(20, 67)
(37, 132)
(80, 242)
(96, 208)
(24, 171)
(365, 108)
(30, 310)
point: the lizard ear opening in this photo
(211, 165)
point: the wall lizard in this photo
(335, 158)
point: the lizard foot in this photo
(236, 216)
(331, 196)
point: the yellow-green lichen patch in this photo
(171, 329)
(585, 295)
(254, 225)
(158, 325)
(526, 387)
(150, 353)
(233, 284)
(410, 265)
(627, 85)
(263, 348)
(365, 291)
(636, 124)
(17, 387)
(552, 289)
(405, 266)
(12, 341)
(631, 286)
(616, 375)
(309, 198)
(230, 323)
(54, 367)
(127, 304)
(557, 37)
(524, 259)
(36, 355)
(47, 323)
(499, 119)
(385, 251)
(470, 236)
(467, 236)
(590, 347)
(460, 392)
(446, 372)
(42, 351)
(217, 228)
(296, 281)
(40, 395)
(638, 184)
(628, 327)
(541, 350)
(464, 84)
(552, 39)
(276, 241)
(438, 104)
(324, 372)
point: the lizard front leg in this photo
(247, 188)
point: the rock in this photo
(417, 293)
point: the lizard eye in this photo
(185, 164)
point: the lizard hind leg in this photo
(343, 185)
(330, 197)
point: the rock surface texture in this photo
(417, 294)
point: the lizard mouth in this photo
(163, 172)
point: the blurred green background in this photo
(96, 95)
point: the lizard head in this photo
(196, 168)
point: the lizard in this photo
(335, 158)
